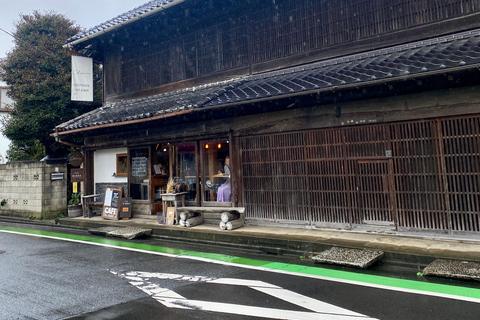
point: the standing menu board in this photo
(112, 204)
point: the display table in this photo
(175, 198)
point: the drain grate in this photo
(453, 269)
(349, 257)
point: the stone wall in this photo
(29, 191)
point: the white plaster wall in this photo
(4, 99)
(5, 102)
(4, 143)
(105, 165)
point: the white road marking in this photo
(298, 274)
(171, 299)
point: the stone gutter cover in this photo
(453, 269)
(121, 232)
(349, 257)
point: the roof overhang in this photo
(113, 25)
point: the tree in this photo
(38, 71)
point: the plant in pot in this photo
(74, 207)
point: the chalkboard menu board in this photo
(112, 203)
(139, 166)
(115, 198)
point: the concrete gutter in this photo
(299, 241)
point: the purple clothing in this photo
(224, 193)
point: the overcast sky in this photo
(86, 13)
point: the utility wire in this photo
(35, 47)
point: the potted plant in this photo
(74, 206)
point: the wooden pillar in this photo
(89, 176)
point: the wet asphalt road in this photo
(52, 279)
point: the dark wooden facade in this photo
(411, 166)
(372, 157)
(245, 37)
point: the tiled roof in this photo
(123, 18)
(416, 59)
(154, 106)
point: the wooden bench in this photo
(89, 204)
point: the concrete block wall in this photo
(29, 191)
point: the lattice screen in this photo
(343, 175)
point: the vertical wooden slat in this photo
(282, 29)
(434, 174)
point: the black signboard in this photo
(115, 198)
(126, 211)
(139, 166)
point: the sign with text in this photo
(75, 158)
(139, 166)
(112, 204)
(82, 79)
(77, 175)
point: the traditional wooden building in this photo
(334, 113)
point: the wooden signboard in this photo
(77, 175)
(112, 204)
(126, 211)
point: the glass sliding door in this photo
(139, 186)
(186, 168)
(217, 188)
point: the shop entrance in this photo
(201, 169)
(216, 177)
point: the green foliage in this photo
(74, 199)
(38, 71)
(60, 215)
(55, 216)
(3, 202)
(30, 150)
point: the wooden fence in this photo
(421, 175)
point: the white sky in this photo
(86, 13)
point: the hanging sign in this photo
(75, 158)
(74, 187)
(77, 175)
(82, 79)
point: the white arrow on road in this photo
(171, 299)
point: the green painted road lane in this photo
(382, 282)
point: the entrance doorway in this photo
(216, 162)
